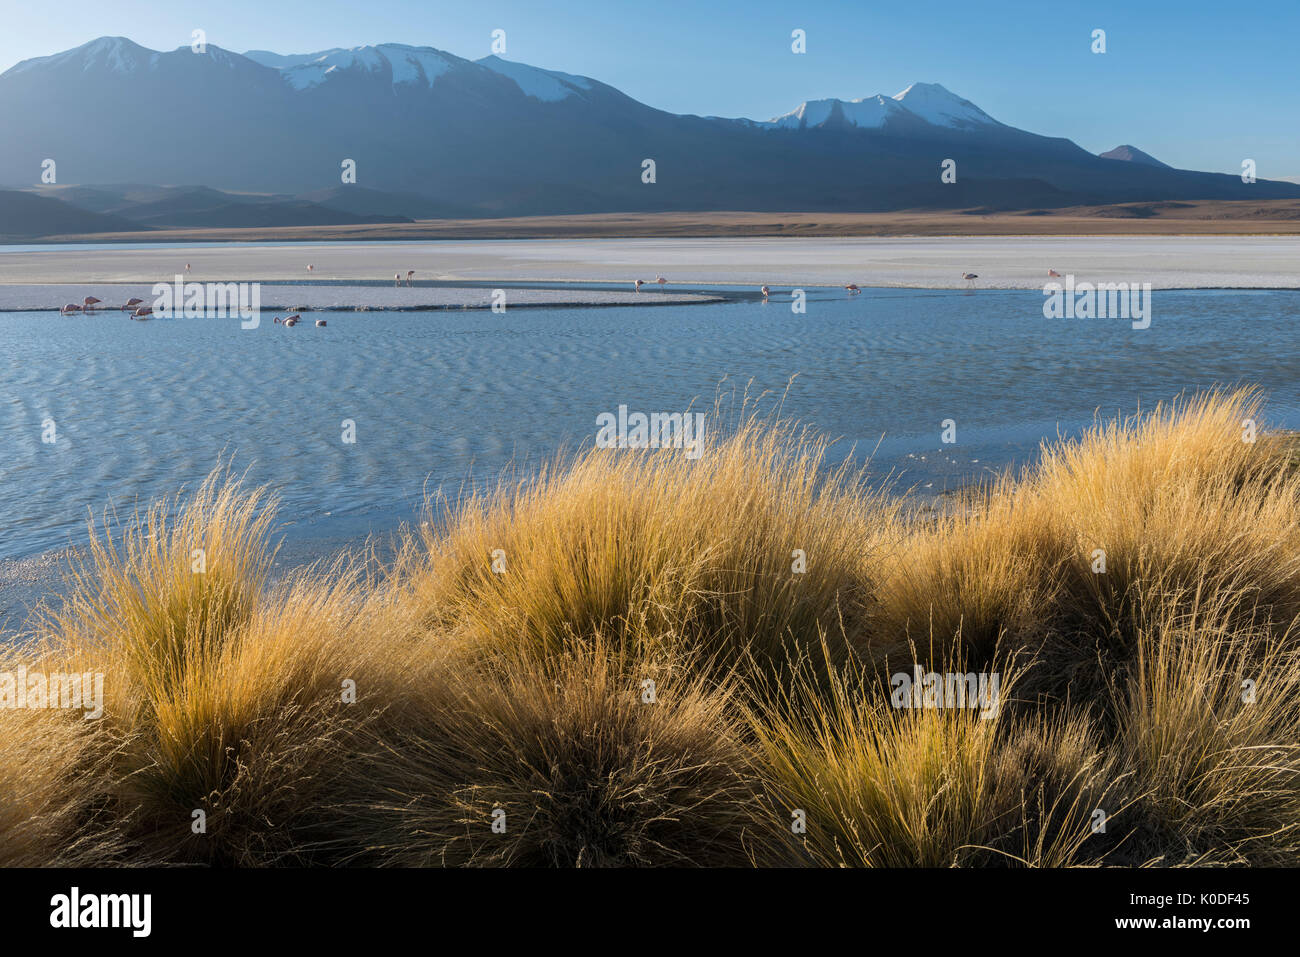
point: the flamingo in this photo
(661, 280)
(310, 267)
(69, 309)
(1054, 274)
(90, 302)
(969, 276)
(639, 283)
(410, 273)
(397, 279)
(187, 267)
(852, 287)
(766, 292)
(292, 320)
(144, 312)
(320, 322)
(277, 318)
(132, 303)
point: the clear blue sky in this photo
(1200, 84)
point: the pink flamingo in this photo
(187, 267)
(969, 276)
(292, 320)
(144, 312)
(639, 283)
(1054, 274)
(70, 309)
(90, 302)
(320, 322)
(766, 292)
(310, 267)
(852, 287)
(410, 274)
(132, 303)
(397, 279)
(661, 280)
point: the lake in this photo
(443, 397)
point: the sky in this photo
(1199, 84)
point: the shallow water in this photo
(438, 397)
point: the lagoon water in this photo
(443, 397)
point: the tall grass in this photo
(1208, 722)
(631, 544)
(634, 659)
(577, 761)
(885, 787)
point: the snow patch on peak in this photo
(928, 102)
(937, 106)
(312, 69)
(549, 86)
(808, 113)
(405, 65)
(418, 66)
(864, 113)
(871, 111)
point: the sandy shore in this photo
(1000, 262)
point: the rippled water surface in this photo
(140, 409)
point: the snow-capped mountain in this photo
(927, 103)
(932, 103)
(420, 67)
(501, 137)
(868, 113)
(395, 63)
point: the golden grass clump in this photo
(966, 579)
(1180, 502)
(884, 786)
(631, 543)
(590, 759)
(1071, 557)
(1137, 591)
(224, 714)
(1209, 726)
(256, 733)
(54, 772)
(173, 585)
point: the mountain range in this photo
(433, 135)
